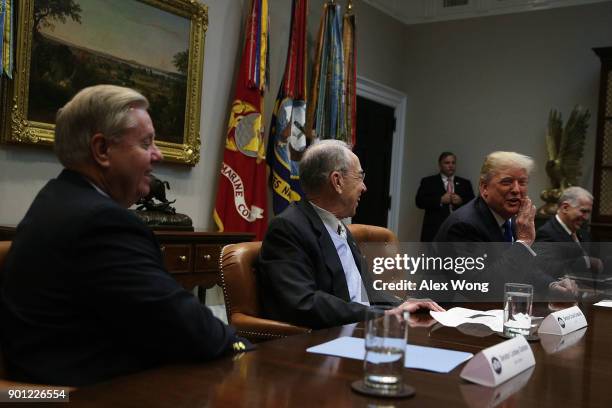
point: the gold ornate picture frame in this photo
(154, 46)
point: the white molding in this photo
(397, 100)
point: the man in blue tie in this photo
(309, 267)
(503, 212)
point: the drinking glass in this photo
(518, 299)
(385, 345)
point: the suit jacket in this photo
(300, 275)
(428, 197)
(85, 296)
(505, 262)
(558, 253)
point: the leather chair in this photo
(371, 233)
(4, 248)
(242, 305)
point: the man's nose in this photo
(157, 154)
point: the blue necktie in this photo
(507, 231)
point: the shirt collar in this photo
(569, 231)
(98, 189)
(445, 177)
(329, 219)
(500, 220)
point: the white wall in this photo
(479, 85)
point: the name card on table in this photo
(476, 396)
(551, 343)
(497, 364)
(563, 322)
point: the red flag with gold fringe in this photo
(241, 204)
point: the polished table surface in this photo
(280, 373)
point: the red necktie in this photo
(449, 190)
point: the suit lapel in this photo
(328, 251)
(560, 231)
(489, 221)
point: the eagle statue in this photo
(565, 147)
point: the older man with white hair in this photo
(562, 241)
(309, 268)
(85, 295)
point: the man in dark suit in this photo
(309, 268)
(441, 194)
(85, 296)
(502, 213)
(561, 242)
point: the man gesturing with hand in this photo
(502, 212)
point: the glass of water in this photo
(385, 345)
(518, 299)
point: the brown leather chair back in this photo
(238, 277)
(371, 233)
(239, 284)
(4, 248)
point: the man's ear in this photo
(99, 149)
(482, 186)
(335, 179)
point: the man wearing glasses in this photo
(309, 268)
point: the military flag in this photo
(350, 72)
(242, 195)
(326, 113)
(287, 139)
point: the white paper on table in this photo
(419, 357)
(456, 316)
(604, 303)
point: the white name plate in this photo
(563, 322)
(497, 364)
(476, 396)
(551, 343)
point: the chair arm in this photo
(255, 328)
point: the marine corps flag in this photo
(287, 139)
(241, 199)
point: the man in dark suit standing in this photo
(501, 213)
(309, 268)
(85, 296)
(441, 194)
(561, 242)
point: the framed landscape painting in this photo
(153, 46)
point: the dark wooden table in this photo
(280, 373)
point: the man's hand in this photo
(525, 226)
(446, 198)
(456, 199)
(565, 286)
(413, 305)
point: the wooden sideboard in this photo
(191, 257)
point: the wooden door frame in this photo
(397, 100)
